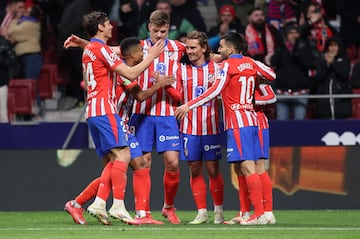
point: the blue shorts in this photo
(135, 149)
(108, 132)
(243, 144)
(200, 147)
(264, 143)
(161, 130)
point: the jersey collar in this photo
(238, 56)
(97, 40)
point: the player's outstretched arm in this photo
(132, 73)
(75, 41)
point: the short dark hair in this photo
(92, 20)
(127, 44)
(237, 40)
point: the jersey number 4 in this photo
(88, 75)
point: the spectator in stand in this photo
(262, 38)
(228, 23)
(14, 10)
(25, 35)
(8, 62)
(188, 10)
(349, 11)
(279, 12)
(332, 77)
(316, 28)
(242, 7)
(292, 62)
(178, 27)
(133, 13)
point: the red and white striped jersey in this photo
(264, 95)
(236, 83)
(203, 120)
(124, 99)
(99, 62)
(160, 103)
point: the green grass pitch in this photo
(292, 224)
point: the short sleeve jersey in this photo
(195, 80)
(98, 63)
(160, 103)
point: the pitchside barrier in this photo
(313, 165)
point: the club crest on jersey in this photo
(161, 68)
(199, 90)
(245, 66)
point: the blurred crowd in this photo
(313, 45)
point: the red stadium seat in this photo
(356, 110)
(11, 107)
(24, 92)
(356, 104)
(47, 81)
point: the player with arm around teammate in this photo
(236, 83)
(100, 68)
(264, 95)
(199, 130)
(132, 55)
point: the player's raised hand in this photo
(181, 111)
(157, 48)
(75, 41)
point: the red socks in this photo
(266, 191)
(141, 182)
(255, 192)
(105, 182)
(217, 189)
(89, 192)
(119, 179)
(245, 204)
(171, 183)
(198, 188)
